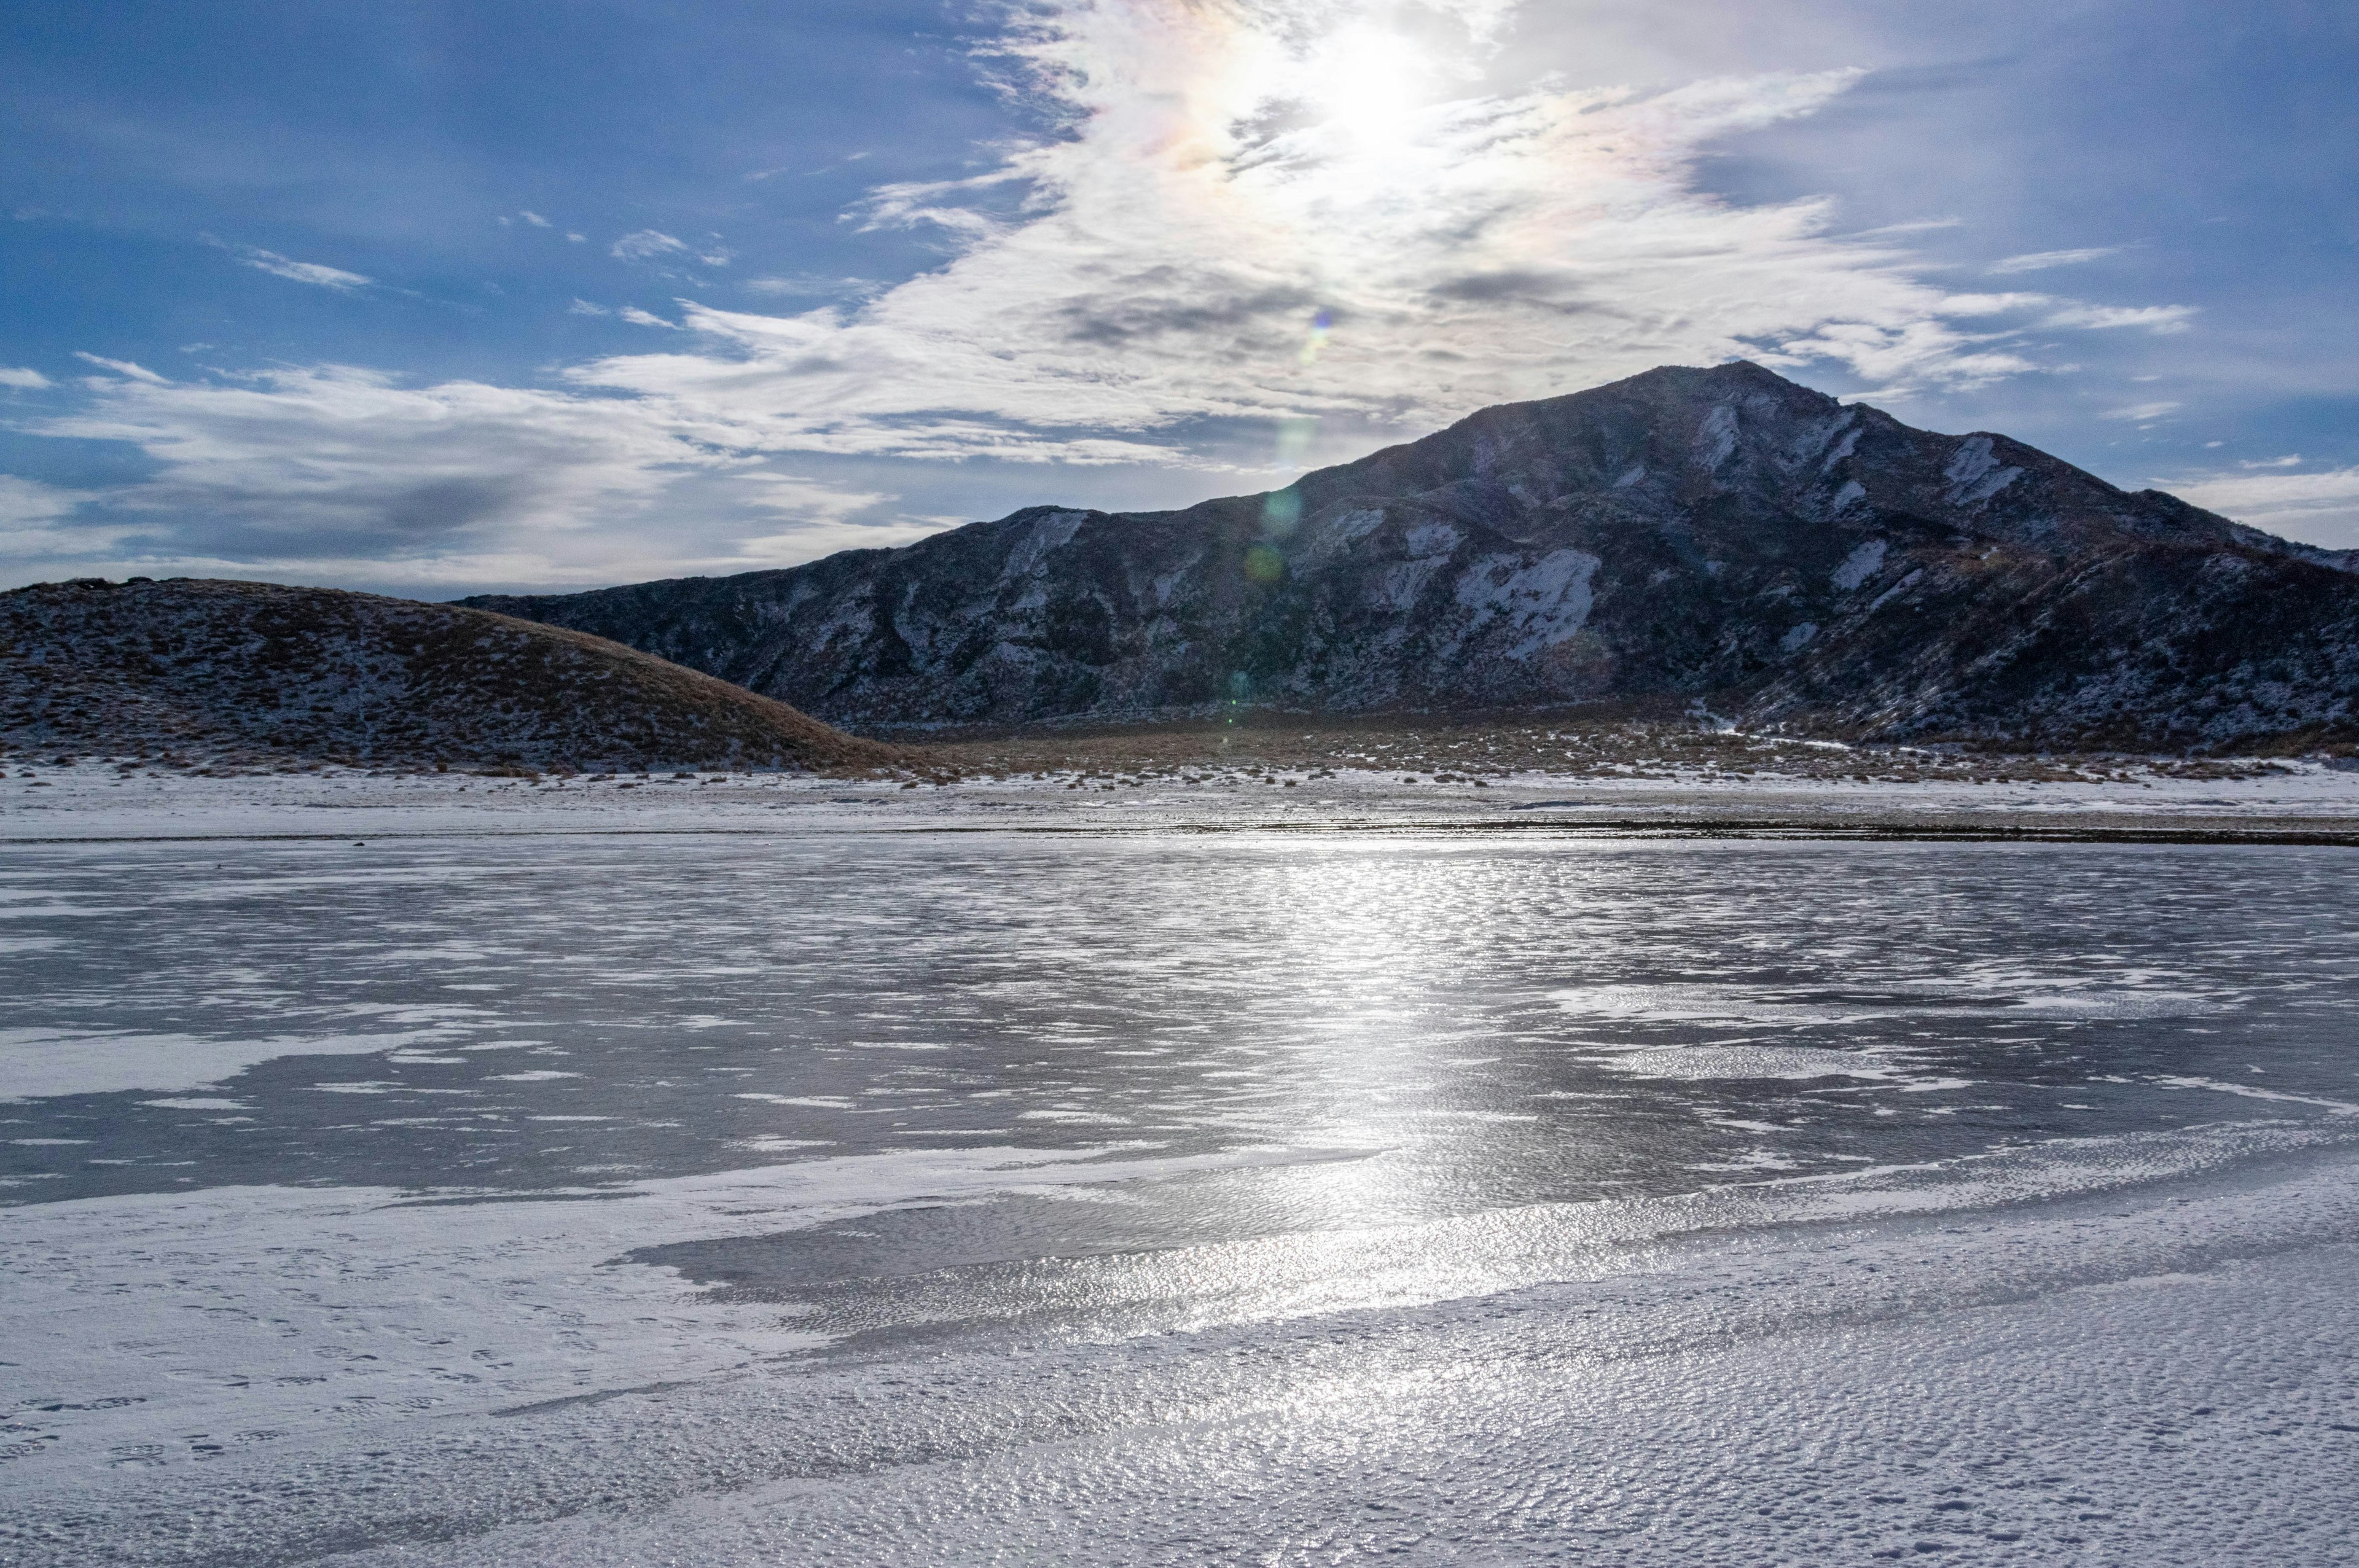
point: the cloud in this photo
(36, 526)
(335, 453)
(2141, 411)
(122, 367)
(1224, 180)
(22, 380)
(2157, 318)
(654, 245)
(336, 473)
(810, 286)
(312, 273)
(1223, 174)
(1991, 304)
(2321, 508)
(2041, 261)
(24, 502)
(2291, 460)
(646, 245)
(583, 308)
(535, 219)
(824, 519)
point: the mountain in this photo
(246, 673)
(1719, 537)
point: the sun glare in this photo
(1364, 80)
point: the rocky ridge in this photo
(245, 673)
(1718, 539)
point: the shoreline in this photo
(2306, 803)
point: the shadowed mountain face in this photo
(1720, 536)
(255, 673)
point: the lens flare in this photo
(1314, 343)
(1280, 511)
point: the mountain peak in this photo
(1715, 533)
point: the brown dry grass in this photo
(248, 675)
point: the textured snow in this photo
(1859, 565)
(1820, 1372)
(1716, 437)
(1975, 473)
(1544, 602)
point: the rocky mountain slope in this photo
(1718, 536)
(254, 674)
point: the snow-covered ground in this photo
(92, 800)
(454, 1170)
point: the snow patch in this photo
(1433, 539)
(1903, 586)
(1716, 440)
(1798, 636)
(1545, 601)
(1975, 474)
(1045, 535)
(1860, 565)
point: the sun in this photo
(1365, 81)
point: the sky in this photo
(433, 298)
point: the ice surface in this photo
(754, 1179)
(44, 1062)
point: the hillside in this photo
(1722, 537)
(255, 673)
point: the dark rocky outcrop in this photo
(1719, 537)
(248, 673)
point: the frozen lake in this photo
(976, 1196)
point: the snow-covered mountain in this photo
(1721, 536)
(248, 674)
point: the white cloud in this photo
(122, 367)
(1227, 181)
(535, 219)
(2041, 261)
(2290, 460)
(583, 308)
(2321, 508)
(36, 527)
(1991, 304)
(24, 502)
(639, 318)
(333, 450)
(312, 273)
(646, 245)
(22, 380)
(822, 520)
(810, 286)
(2158, 318)
(334, 473)
(2141, 411)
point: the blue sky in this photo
(437, 297)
